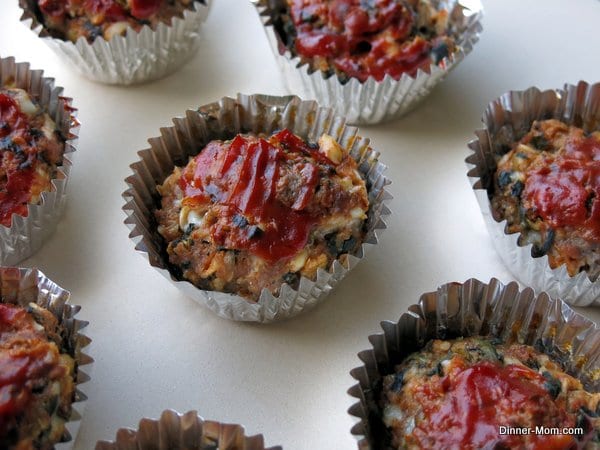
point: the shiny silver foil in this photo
(372, 101)
(24, 286)
(467, 309)
(187, 431)
(507, 119)
(223, 120)
(134, 58)
(26, 234)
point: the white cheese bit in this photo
(392, 413)
(333, 223)
(115, 29)
(509, 360)
(188, 216)
(331, 149)
(24, 100)
(48, 128)
(298, 262)
(357, 213)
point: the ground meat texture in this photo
(457, 394)
(90, 19)
(546, 188)
(36, 379)
(368, 38)
(31, 149)
(255, 212)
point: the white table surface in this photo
(156, 349)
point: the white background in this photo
(156, 349)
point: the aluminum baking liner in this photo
(372, 101)
(466, 309)
(174, 431)
(134, 58)
(506, 119)
(223, 120)
(23, 286)
(26, 234)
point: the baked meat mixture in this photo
(367, 38)
(255, 212)
(459, 394)
(31, 148)
(547, 187)
(72, 19)
(36, 379)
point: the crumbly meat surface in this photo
(90, 19)
(257, 212)
(31, 149)
(362, 39)
(37, 376)
(546, 188)
(457, 394)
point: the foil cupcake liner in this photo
(134, 58)
(21, 286)
(223, 120)
(507, 119)
(183, 431)
(27, 233)
(372, 101)
(467, 309)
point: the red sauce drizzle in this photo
(11, 117)
(242, 176)
(21, 362)
(14, 133)
(109, 10)
(53, 8)
(567, 192)
(481, 398)
(142, 9)
(349, 32)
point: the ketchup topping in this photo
(242, 177)
(479, 399)
(53, 8)
(142, 9)
(24, 357)
(566, 192)
(102, 10)
(356, 35)
(18, 154)
(109, 9)
(11, 117)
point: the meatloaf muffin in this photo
(547, 188)
(31, 148)
(72, 19)
(255, 212)
(367, 38)
(36, 378)
(477, 393)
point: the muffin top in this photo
(255, 212)
(36, 378)
(31, 147)
(90, 19)
(547, 188)
(373, 38)
(476, 393)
